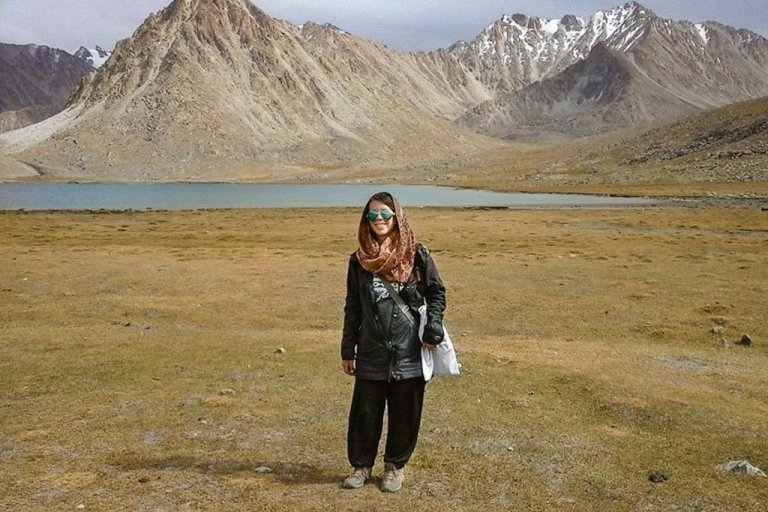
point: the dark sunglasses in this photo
(373, 214)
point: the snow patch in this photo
(631, 38)
(550, 27)
(486, 47)
(702, 32)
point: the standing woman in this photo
(380, 344)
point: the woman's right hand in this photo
(348, 366)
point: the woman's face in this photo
(380, 227)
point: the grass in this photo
(141, 368)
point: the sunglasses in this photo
(372, 215)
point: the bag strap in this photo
(398, 300)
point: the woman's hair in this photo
(384, 197)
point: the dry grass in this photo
(585, 335)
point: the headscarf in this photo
(393, 259)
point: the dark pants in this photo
(403, 400)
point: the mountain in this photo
(601, 93)
(638, 68)
(96, 57)
(218, 86)
(219, 90)
(35, 83)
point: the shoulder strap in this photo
(392, 292)
(398, 300)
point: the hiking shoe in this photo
(393, 478)
(357, 479)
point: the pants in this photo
(403, 400)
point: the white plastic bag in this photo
(440, 360)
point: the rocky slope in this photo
(722, 150)
(35, 83)
(726, 144)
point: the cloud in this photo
(69, 23)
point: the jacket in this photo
(377, 334)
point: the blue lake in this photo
(185, 196)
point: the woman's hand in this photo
(427, 345)
(348, 366)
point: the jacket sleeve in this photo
(352, 313)
(434, 294)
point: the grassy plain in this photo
(140, 367)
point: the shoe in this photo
(357, 479)
(393, 478)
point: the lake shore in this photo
(159, 359)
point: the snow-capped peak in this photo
(96, 57)
(539, 47)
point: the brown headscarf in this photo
(393, 259)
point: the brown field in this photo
(140, 367)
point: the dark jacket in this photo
(377, 335)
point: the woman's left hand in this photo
(348, 366)
(427, 345)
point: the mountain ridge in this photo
(220, 90)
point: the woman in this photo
(389, 277)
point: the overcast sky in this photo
(400, 24)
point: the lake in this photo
(184, 196)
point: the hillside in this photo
(721, 153)
(729, 144)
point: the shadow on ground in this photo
(286, 472)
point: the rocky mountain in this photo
(218, 89)
(96, 57)
(638, 68)
(35, 83)
(206, 86)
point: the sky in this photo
(407, 25)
